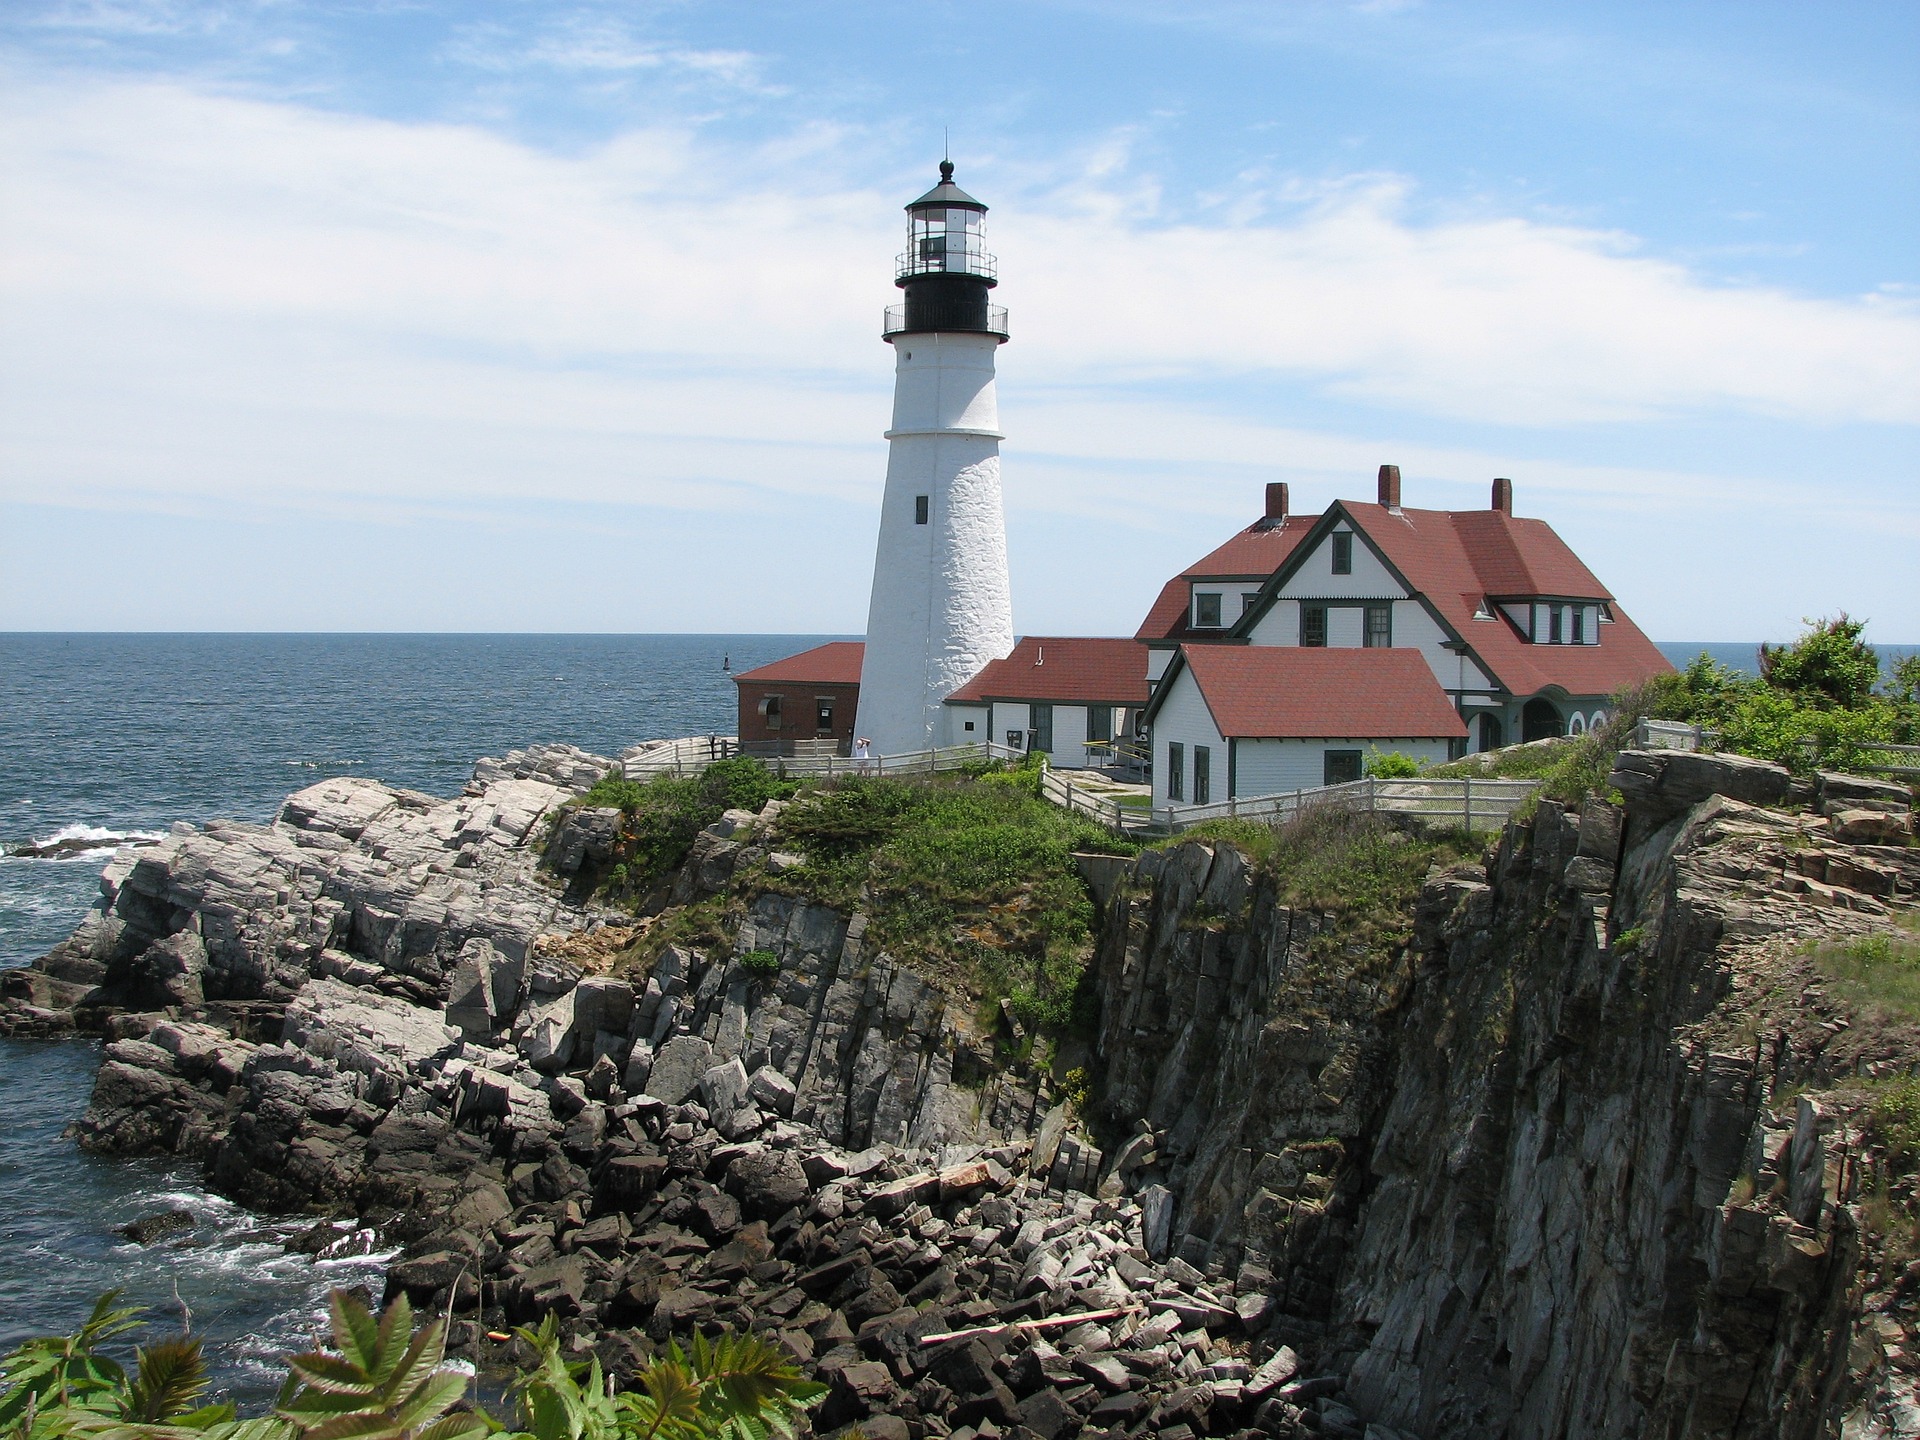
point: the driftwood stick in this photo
(1046, 1324)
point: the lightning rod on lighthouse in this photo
(941, 608)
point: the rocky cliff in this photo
(1553, 1170)
(1575, 1151)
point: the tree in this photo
(1829, 662)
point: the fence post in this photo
(1466, 802)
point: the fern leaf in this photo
(395, 1335)
(430, 1400)
(468, 1426)
(168, 1378)
(332, 1374)
(417, 1363)
(355, 1334)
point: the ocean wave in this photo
(80, 842)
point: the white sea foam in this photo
(88, 841)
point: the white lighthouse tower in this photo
(941, 608)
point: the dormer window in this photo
(1206, 610)
(1343, 552)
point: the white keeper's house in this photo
(1487, 630)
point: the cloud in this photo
(210, 301)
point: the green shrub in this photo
(1813, 704)
(383, 1380)
(761, 962)
(1392, 765)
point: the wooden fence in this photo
(1671, 735)
(693, 754)
(1472, 804)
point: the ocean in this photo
(111, 736)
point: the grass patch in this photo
(970, 874)
(1877, 975)
(1335, 860)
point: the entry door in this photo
(1040, 721)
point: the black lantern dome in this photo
(945, 270)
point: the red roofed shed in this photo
(810, 696)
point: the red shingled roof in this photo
(1253, 554)
(1285, 692)
(1068, 668)
(835, 663)
(1457, 558)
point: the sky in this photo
(565, 317)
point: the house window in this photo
(823, 712)
(1176, 772)
(969, 725)
(1202, 774)
(1553, 625)
(919, 509)
(1579, 624)
(1040, 722)
(1340, 766)
(770, 711)
(1100, 722)
(1247, 597)
(1343, 552)
(1379, 627)
(1206, 610)
(1313, 625)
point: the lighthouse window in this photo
(919, 509)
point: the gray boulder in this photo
(678, 1067)
(723, 1090)
(772, 1091)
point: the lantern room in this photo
(945, 270)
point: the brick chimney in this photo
(1503, 496)
(1276, 501)
(1390, 486)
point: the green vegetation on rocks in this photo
(1336, 861)
(383, 1380)
(965, 878)
(660, 816)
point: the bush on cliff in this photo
(383, 1380)
(661, 816)
(970, 876)
(1818, 702)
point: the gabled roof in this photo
(1286, 692)
(1067, 668)
(835, 663)
(1253, 554)
(1459, 558)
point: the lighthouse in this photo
(940, 607)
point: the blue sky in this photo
(564, 317)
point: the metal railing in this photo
(1472, 804)
(978, 263)
(962, 316)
